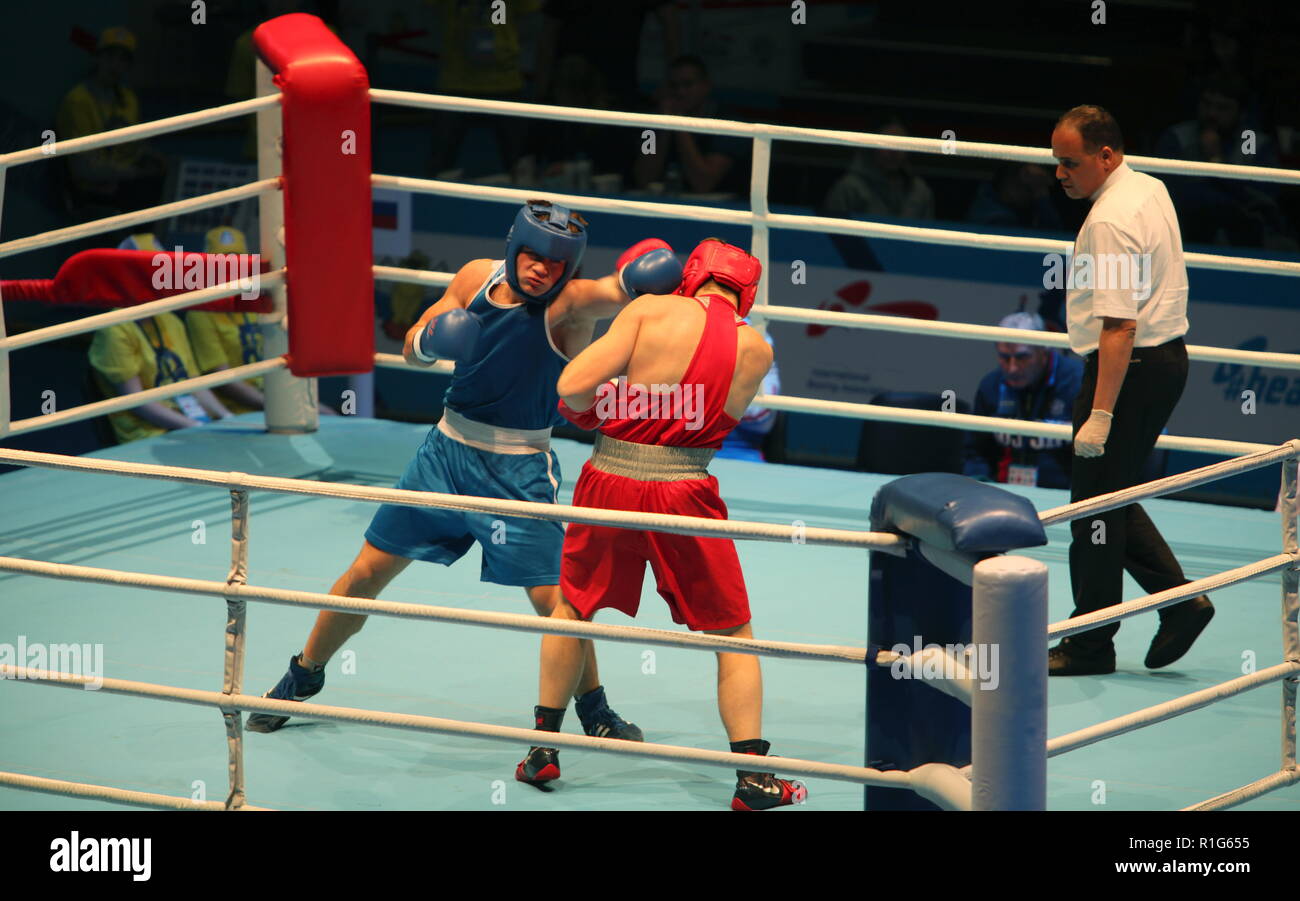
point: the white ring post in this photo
(758, 246)
(1009, 709)
(1290, 609)
(290, 401)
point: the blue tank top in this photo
(509, 382)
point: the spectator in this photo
(881, 183)
(1225, 211)
(746, 440)
(113, 179)
(563, 144)
(1034, 383)
(697, 163)
(222, 340)
(479, 57)
(1218, 41)
(135, 356)
(1017, 196)
(607, 37)
(241, 81)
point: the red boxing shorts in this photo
(700, 578)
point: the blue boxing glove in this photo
(449, 336)
(655, 272)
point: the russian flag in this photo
(384, 213)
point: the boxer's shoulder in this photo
(654, 306)
(469, 279)
(475, 270)
(753, 348)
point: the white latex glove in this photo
(1091, 439)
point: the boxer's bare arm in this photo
(753, 360)
(603, 359)
(593, 298)
(583, 303)
(458, 294)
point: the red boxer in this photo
(692, 369)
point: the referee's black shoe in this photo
(1179, 627)
(1067, 659)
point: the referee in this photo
(1126, 312)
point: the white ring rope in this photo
(796, 533)
(968, 421)
(1158, 713)
(131, 401)
(110, 794)
(907, 326)
(1125, 496)
(510, 734)
(1147, 603)
(150, 214)
(139, 132)
(818, 224)
(812, 135)
(1249, 792)
(515, 622)
(397, 361)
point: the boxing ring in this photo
(819, 512)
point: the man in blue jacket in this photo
(1032, 383)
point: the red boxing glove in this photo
(588, 419)
(640, 248)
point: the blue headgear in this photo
(550, 238)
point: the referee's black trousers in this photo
(1107, 544)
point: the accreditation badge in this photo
(191, 408)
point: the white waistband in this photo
(492, 438)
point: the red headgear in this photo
(727, 265)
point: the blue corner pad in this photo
(956, 513)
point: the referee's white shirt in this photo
(1132, 216)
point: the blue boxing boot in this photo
(298, 684)
(599, 721)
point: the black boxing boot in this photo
(542, 765)
(763, 791)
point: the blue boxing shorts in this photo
(516, 551)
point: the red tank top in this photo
(692, 413)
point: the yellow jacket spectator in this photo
(226, 340)
(480, 53)
(137, 356)
(479, 57)
(102, 102)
